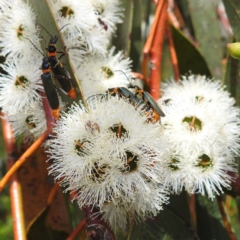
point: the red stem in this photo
(140, 76)
(149, 42)
(225, 220)
(23, 158)
(192, 208)
(173, 54)
(77, 230)
(48, 112)
(15, 186)
(156, 53)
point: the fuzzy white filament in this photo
(19, 88)
(108, 153)
(202, 126)
(98, 74)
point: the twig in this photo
(52, 193)
(225, 220)
(173, 54)
(141, 77)
(15, 187)
(192, 208)
(48, 113)
(156, 53)
(77, 230)
(96, 228)
(148, 44)
(23, 158)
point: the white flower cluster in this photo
(87, 29)
(86, 26)
(111, 152)
(112, 158)
(20, 82)
(112, 155)
(202, 126)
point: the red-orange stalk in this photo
(192, 209)
(77, 230)
(23, 158)
(156, 53)
(148, 44)
(15, 186)
(172, 51)
(225, 220)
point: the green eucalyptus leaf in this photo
(207, 33)
(39, 230)
(167, 225)
(136, 38)
(233, 12)
(167, 69)
(209, 221)
(232, 78)
(190, 59)
(122, 41)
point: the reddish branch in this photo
(225, 220)
(141, 77)
(48, 113)
(23, 158)
(52, 193)
(192, 208)
(97, 228)
(50, 121)
(148, 44)
(15, 187)
(77, 230)
(156, 52)
(173, 54)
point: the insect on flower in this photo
(138, 97)
(50, 88)
(52, 64)
(149, 101)
(57, 68)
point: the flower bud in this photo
(234, 49)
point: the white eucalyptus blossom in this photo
(109, 13)
(199, 113)
(20, 86)
(202, 126)
(197, 88)
(99, 74)
(200, 172)
(121, 212)
(80, 24)
(17, 26)
(190, 126)
(31, 123)
(107, 153)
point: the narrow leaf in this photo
(233, 11)
(207, 33)
(190, 58)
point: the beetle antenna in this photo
(49, 32)
(44, 40)
(35, 46)
(45, 29)
(125, 76)
(63, 27)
